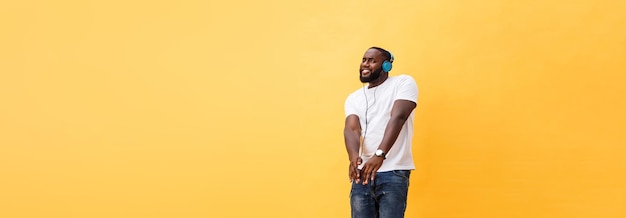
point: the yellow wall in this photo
(235, 108)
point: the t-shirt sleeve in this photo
(349, 106)
(407, 89)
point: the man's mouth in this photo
(365, 72)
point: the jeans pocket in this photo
(402, 173)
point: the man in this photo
(378, 133)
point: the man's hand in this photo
(353, 170)
(370, 168)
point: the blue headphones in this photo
(387, 63)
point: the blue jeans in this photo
(385, 197)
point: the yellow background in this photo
(235, 108)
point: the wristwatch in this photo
(380, 153)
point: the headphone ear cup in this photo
(387, 66)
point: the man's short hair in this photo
(386, 53)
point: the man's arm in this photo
(399, 114)
(352, 137)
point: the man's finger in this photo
(374, 174)
(351, 173)
(366, 174)
(366, 180)
(354, 173)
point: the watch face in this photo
(379, 152)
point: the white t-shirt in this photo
(375, 116)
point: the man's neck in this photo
(378, 81)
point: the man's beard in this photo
(373, 76)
